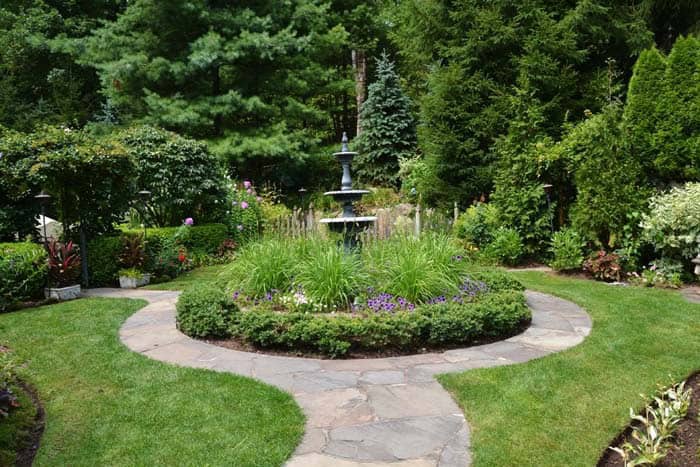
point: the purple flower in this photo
(244, 205)
(247, 184)
(239, 227)
(189, 221)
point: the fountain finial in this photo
(344, 141)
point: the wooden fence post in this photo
(456, 212)
(417, 227)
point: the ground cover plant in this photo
(106, 405)
(398, 295)
(566, 408)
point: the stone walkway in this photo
(692, 294)
(364, 412)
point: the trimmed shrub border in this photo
(210, 312)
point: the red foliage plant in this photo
(64, 264)
(604, 266)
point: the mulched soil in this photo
(685, 451)
(25, 457)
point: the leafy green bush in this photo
(183, 177)
(23, 272)
(447, 324)
(506, 246)
(103, 266)
(604, 266)
(417, 269)
(205, 237)
(673, 223)
(331, 277)
(497, 281)
(567, 248)
(477, 224)
(205, 310)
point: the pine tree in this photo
(254, 79)
(388, 127)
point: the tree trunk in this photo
(359, 64)
(216, 90)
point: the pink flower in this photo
(189, 221)
(258, 199)
(247, 184)
(244, 205)
(250, 191)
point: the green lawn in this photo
(564, 409)
(203, 274)
(106, 405)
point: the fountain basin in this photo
(349, 224)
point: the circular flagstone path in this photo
(363, 412)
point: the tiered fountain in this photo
(349, 224)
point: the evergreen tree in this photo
(663, 112)
(388, 128)
(479, 58)
(246, 76)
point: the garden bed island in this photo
(309, 297)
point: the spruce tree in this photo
(388, 128)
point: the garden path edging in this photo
(363, 412)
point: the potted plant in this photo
(64, 271)
(132, 260)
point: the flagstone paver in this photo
(376, 412)
(692, 294)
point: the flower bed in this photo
(324, 306)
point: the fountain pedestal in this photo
(349, 223)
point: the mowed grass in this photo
(205, 274)
(106, 405)
(564, 409)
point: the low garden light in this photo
(145, 197)
(696, 262)
(43, 198)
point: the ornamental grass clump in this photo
(331, 277)
(415, 269)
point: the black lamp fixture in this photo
(145, 197)
(547, 187)
(43, 198)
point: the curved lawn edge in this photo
(565, 409)
(382, 410)
(106, 405)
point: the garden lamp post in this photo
(145, 197)
(44, 199)
(548, 191)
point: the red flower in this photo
(181, 257)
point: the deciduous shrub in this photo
(23, 272)
(204, 311)
(477, 224)
(567, 249)
(673, 223)
(497, 281)
(506, 246)
(183, 177)
(103, 267)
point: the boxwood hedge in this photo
(498, 314)
(23, 271)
